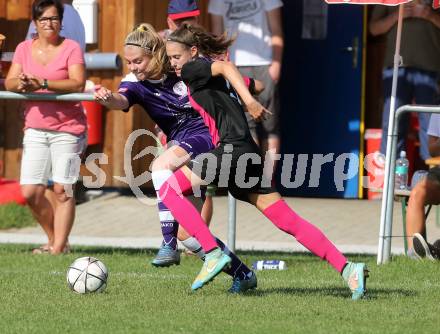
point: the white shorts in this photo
(51, 154)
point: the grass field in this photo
(309, 297)
(15, 216)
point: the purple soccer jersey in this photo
(166, 101)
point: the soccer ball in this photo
(86, 275)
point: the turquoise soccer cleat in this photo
(355, 274)
(214, 263)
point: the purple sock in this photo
(237, 267)
(168, 226)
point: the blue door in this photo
(321, 88)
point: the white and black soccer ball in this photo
(86, 275)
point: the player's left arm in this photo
(274, 20)
(231, 73)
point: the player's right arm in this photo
(111, 100)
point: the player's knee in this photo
(161, 164)
(419, 193)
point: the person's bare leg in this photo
(170, 160)
(40, 207)
(312, 238)
(162, 168)
(51, 197)
(208, 209)
(63, 219)
(425, 192)
(271, 147)
(183, 181)
(283, 217)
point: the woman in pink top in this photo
(55, 132)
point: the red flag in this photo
(373, 2)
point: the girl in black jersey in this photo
(228, 164)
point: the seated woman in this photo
(426, 192)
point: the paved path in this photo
(123, 221)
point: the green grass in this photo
(14, 215)
(308, 297)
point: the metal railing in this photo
(386, 217)
(5, 95)
(93, 61)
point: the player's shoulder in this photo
(130, 77)
(196, 66)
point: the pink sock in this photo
(184, 211)
(308, 235)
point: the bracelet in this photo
(45, 84)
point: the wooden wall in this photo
(116, 19)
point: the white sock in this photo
(194, 246)
(159, 177)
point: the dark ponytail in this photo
(208, 44)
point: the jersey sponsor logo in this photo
(180, 89)
(239, 10)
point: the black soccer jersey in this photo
(219, 106)
(217, 102)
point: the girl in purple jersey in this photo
(164, 96)
(212, 96)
